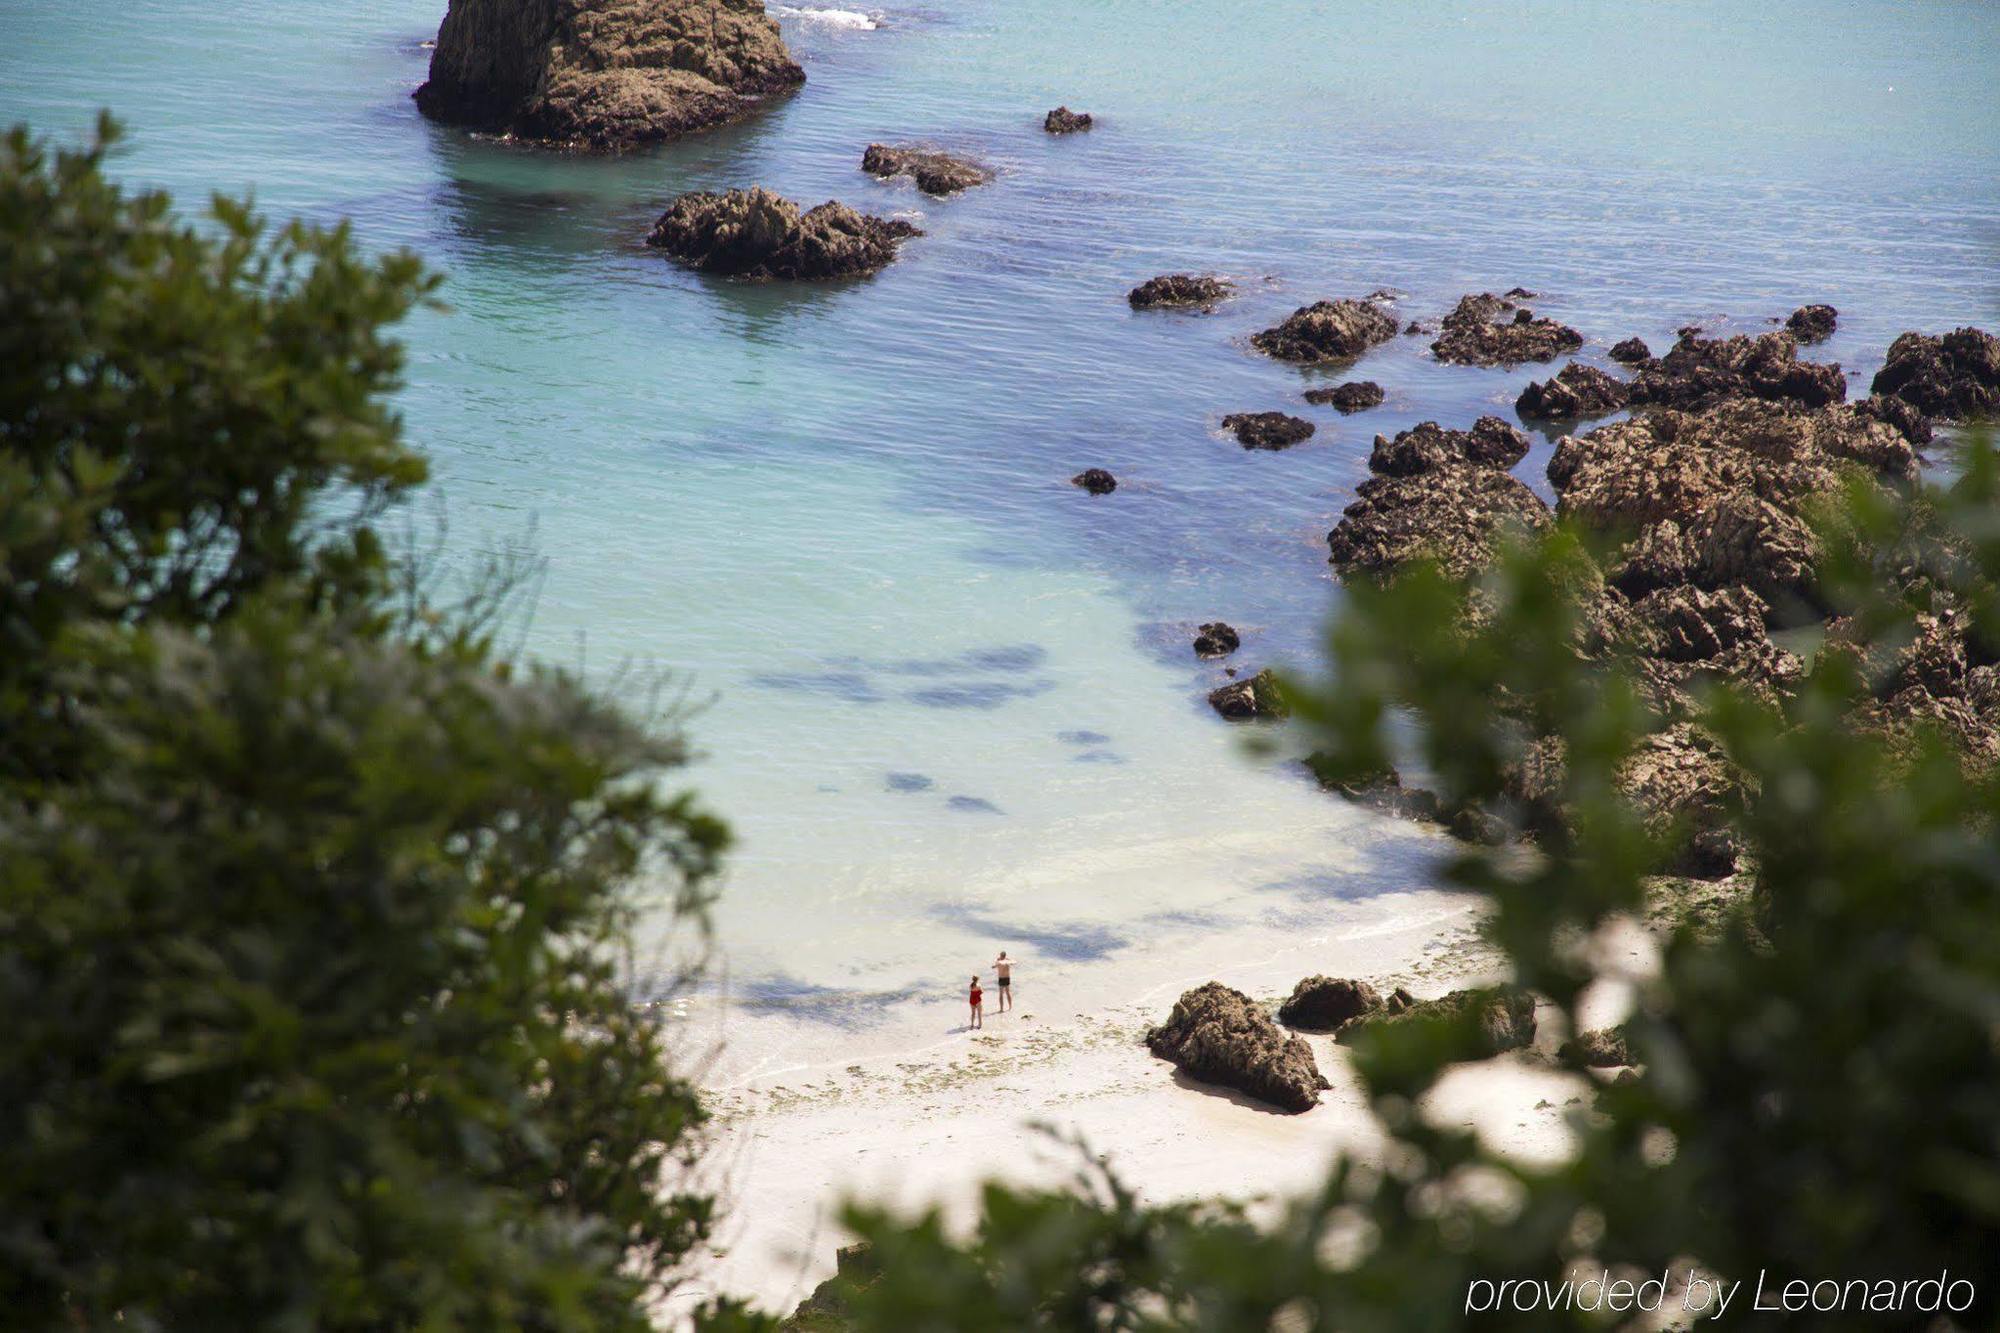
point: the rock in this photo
(1955, 377)
(1690, 625)
(1400, 1001)
(1321, 1004)
(1600, 1048)
(1474, 334)
(1349, 398)
(1678, 779)
(1260, 697)
(933, 172)
(1095, 480)
(855, 1269)
(1900, 413)
(603, 74)
(1178, 289)
(1267, 430)
(1520, 294)
(1383, 791)
(1437, 494)
(1813, 323)
(1218, 1035)
(1326, 331)
(1415, 328)
(1631, 352)
(1216, 639)
(757, 234)
(1506, 1016)
(1062, 120)
(1699, 372)
(1578, 391)
(1716, 498)
(1427, 447)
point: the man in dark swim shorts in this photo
(1003, 968)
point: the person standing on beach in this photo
(1003, 971)
(978, 1019)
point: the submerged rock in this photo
(1437, 494)
(1813, 323)
(1062, 120)
(1321, 1004)
(1256, 698)
(1178, 289)
(1506, 1016)
(1219, 1035)
(1326, 331)
(1954, 377)
(1631, 352)
(1267, 430)
(1489, 330)
(934, 172)
(1095, 480)
(1349, 398)
(603, 74)
(1216, 639)
(1578, 391)
(1383, 791)
(757, 234)
(1700, 372)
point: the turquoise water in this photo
(946, 699)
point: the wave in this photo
(858, 20)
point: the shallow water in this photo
(948, 700)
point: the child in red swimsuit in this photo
(978, 1019)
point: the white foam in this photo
(858, 20)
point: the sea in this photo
(947, 700)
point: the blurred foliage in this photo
(315, 915)
(1819, 1093)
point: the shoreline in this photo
(923, 1126)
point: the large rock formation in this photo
(1267, 430)
(934, 172)
(603, 74)
(1700, 372)
(1219, 1035)
(1438, 494)
(1322, 1004)
(1813, 323)
(1505, 1016)
(1326, 331)
(1955, 376)
(1578, 391)
(757, 234)
(1489, 330)
(1178, 289)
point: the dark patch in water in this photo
(1098, 757)
(1083, 738)
(973, 805)
(780, 992)
(910, 782)
(848, 685)
(977, 694)
(1082, 942)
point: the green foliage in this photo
(1819, 1094)
(315, 918)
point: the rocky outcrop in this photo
(603, 74)
(1255, 698)
(1382, 791)
(1600, 1048)
(1062, 120)
(760, 235)
(1267, 430)
(1095, 480)
(1178, 289)
(1631, 352)
(1219, 1035)
(934, 172)
(1489, 330)
(1326, 331)
(1903, 415)
(1505, 1016)
(1437, 494)
(1578, 391)
(1322, 1004)
(855, 1269)
(1954, 377)
(1700, 372)
(1349, 398)
(1716, 498)
(1216, 639)
(1813, 323)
